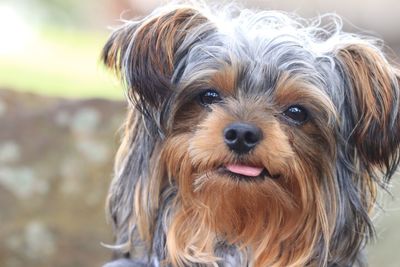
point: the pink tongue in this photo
(244, 170)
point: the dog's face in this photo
(271, 132)
(249, 149)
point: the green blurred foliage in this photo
(57, 12)
(61, 63)
(62, 57)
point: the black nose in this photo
(242, 137)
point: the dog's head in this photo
(274, 132)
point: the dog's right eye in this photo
(296, 113)
(209, 97)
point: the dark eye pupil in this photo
(209, 97)
(296, 113)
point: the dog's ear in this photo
(144, 53)
(371, 90)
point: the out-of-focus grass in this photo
(60, 63)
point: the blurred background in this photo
(60, 111)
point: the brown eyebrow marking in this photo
(225, 79)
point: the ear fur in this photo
(372, 95)
(144, 53)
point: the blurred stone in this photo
(22, 182)
(85, 120)
(93, 150)
(62, 119)
(9, 152)
(56, 158)
(39, 241)
(3, 108)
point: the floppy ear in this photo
(371, 89)
(144, 53)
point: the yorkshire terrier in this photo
(253, 139)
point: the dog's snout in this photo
(242, 137)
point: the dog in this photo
(253, 138)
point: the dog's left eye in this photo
(209, 97)
(296, 113)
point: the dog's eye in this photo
(209, 97)
(296, 113)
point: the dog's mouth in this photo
(247, 172)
